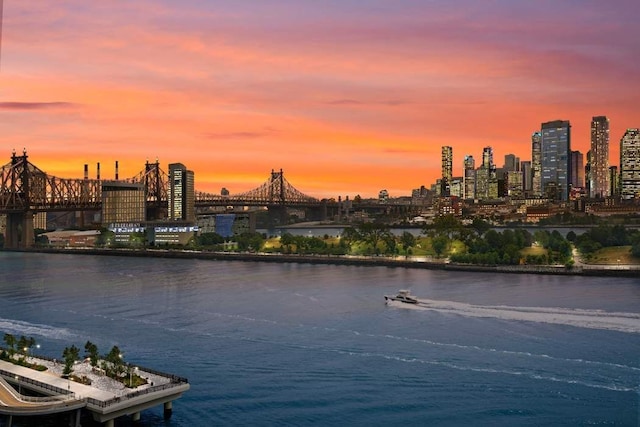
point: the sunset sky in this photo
(346, 96)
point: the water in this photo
(297, 344)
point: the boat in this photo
(402, 296)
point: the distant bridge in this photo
(276, 191)
(25, 190)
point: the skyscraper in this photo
(486, 178)
(630, 164)
(525, 167)
(577, 169)
(556, 167)
(469, 178)
(181, 193)
(511, 163)
(447, 170)
(536, 164)
(599, 157)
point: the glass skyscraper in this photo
(555, 159)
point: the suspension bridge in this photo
(25, 190)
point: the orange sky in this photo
(346, 97)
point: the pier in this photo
(104, 398)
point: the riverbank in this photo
(376, 261)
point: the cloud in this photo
(237, 135)
(391, 103)
(30, 106)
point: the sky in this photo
(347, 97)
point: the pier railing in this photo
(11, 377)
(116, 400)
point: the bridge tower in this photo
(156, 191)
(19, 227)
(278, 196)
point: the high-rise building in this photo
(536, 164)
(447, 170)
(486, 178)
(613, 181)
(556, 167)
(123, 203)
(599, 157)
(511, 163)
(587, 174)
(181, 193)
(514, 184)
(469, 178)
(525, 167)
(630, 164)
(577, 169)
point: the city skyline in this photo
(346, 99)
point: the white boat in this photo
(402, 296)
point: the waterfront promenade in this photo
(105, 398)
(580, 269)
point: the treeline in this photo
(605, 236)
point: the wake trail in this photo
(582, 318)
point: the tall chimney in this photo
(116, 170)
(98, 173)
(86, 171)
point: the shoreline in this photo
(370, 261)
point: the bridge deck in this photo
(14, 403)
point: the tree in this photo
(372, 233)
(24, 345)
(209, 239)
(106, 237)
(286, 240)
(480, 226)
(407, 240)
(439, 244)
(91, 351)
(11, 342)
(70, 355)
(113, 362)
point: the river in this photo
(299, 344)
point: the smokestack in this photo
(86, 171)
(116, 170)
(98, 173)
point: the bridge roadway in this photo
(65, 396)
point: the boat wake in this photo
(582, 318)
(19, 327)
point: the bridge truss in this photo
(276, 191)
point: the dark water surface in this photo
(298, 344)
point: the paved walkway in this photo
(81, 391)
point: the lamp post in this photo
(19, 385)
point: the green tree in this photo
(24, 345)
(11, 342)
(106, 237)
(209, 239)
(407, 240)
(69, 355)
(372, 233)
(286, 240)
(439, 244)
(113, 363)
(91, 351)
(480, 226)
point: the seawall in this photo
(376, 261)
